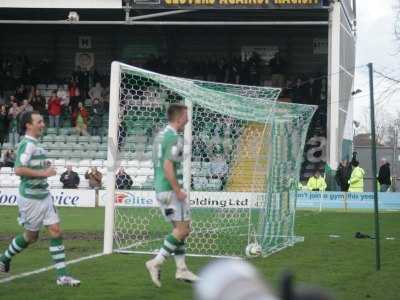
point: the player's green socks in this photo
(58, 255)
(180, 256)
(17, 245)
(169, 247)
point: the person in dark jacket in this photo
(96, 117)
(70, 179)
(4, 123)
(343, 175)
(38, 102)
(123, 180)
(384, 176)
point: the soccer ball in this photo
(253, 250)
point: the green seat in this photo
(101, 155)
(71, 139)
(51, 130)
(127, 155)
(52, 154)
(102, 147)
(60, 138)
(76, 147)
(91, 147)
(51, 146)
(90, 154)
(83, 139)
(7, 146)
(95, 139)
(66, 131)
(49, 138)
(77, 154)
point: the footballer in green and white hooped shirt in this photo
(173, 202)
(34, 201)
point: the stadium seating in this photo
(82, 152)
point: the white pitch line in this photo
(26, 274)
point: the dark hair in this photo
(26, 118)
(174, 111)
(355, 163)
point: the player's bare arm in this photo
(28, 172)
(170, 175)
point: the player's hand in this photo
(51, 171)
(181, 195)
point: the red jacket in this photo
(54, 106)
(73, 90)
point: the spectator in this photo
(4, 122)
(13, 114)
(12, 99)
(122, 132)
(70, 179)
(8, 158)
(80, 120)
(313, 91)
(106, 98)
(20, 94)
(219, 169)
(25, 107)
(356, 180)
(96, 92)
(278, 67)
(384, 176)
(298, 91)
(63, 95)
(54, 108)
(38, 102)
(343, 174)
(316, 183)
(123, 180)
(83, 79)
(74, 94)
(96, 117)
(94, 177)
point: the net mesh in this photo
(243, 149)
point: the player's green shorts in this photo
(173, 209)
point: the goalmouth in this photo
(242, 155)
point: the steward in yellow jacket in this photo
(356, 181)
(316, 183)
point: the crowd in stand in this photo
(79, 101)
(253, 70)
(63, 108)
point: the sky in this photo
(376, 43)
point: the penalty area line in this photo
(38, 271)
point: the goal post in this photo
(242, 152)
(112, 152)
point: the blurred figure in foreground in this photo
(238, 280)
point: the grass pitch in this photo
(330, 257)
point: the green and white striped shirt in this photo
(168, 145)
(30, 155)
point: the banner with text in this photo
(197, 199)
(327, 200)
(67, 198)
(230, 4)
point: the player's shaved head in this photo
(175, 111)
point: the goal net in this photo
(241, 160)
